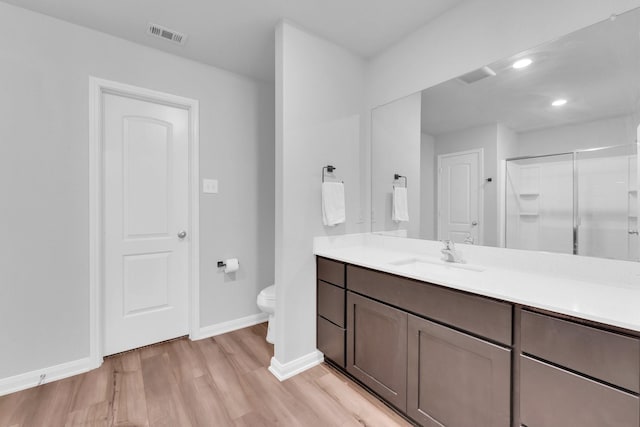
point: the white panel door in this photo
(145, 223)
(459, 196)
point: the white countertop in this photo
(600, 302)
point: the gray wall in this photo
(619, 130)
(395, 148)
(427, 187)
(45, 66)
(319, 94)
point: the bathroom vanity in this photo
(449, 357)
(528, 336)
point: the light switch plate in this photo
(210, 186)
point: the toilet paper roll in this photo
(232, 265)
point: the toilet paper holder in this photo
(222, 264)
(229, 266)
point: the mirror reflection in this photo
(536, 151)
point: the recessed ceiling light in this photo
(559, 102)
(522, 63)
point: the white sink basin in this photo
(433, 265)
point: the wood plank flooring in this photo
(221, 381)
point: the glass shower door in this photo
(539, 203)
(607, 202)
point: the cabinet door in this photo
(331, 300)
(330, 341)
(606, 356)
(377, 348)
(330, 271)
(456, 380)
(550, 397)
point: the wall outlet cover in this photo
(210, 186)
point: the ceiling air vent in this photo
(167, 34)
(477, 75)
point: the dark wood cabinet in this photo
(377, 348)
(331, 341)
(551, 397)
(456, 380)
(330, 309)
(330, 271)
(573, 374)
(604, 355)
(331, 303)
(448, 358)
(478, 315)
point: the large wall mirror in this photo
(536, 151)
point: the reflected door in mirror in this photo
(459, 196)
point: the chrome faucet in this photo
(450, 253)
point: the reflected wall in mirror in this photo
(536, 151)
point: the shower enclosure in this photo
(583, 202)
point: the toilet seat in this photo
(269, 293)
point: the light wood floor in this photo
(221, 381)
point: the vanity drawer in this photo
(604, 355)
(331, 301)
(478, 315)
(330, 271)
(331, 341)
(551, 397)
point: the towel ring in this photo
(329, 169)
(398, 176)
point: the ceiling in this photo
(595, 69)
(238, 35)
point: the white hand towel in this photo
(400, 210)
(333, 210)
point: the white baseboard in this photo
(53, 373)
(231, 325)
(283, 371)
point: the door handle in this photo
(474, 223)
(633, 232)
(182, 234)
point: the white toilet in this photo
(267, 303)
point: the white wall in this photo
(619, 130)
(319, 93)
(395, 148)
(484, 137)
(44, 159)
(427, 187)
